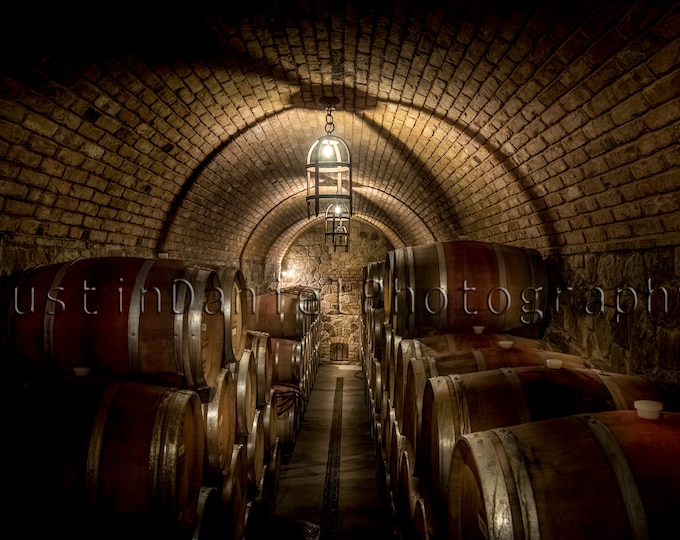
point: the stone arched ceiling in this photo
(183, 126)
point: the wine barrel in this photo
(593, 476)
(115, 458)
(418, 373)
(219, 414)
(269, 424)
(373, 312)
(455, 405)
(390, 346)
(396, 450)
(408, 496)
(286, 314)
(261, 345)
(122, 317)
(380, 463)
(208, 524)
(286, 360)
(471, 361)
(388, 419)
(288, 405)
(306, 372)
(398, 278)
(272, 479)
(255, 454)
(245, 374)
(235, 494)
(376, 386)
(438, 345)
(441, 346)
(234, 308)
(423, 528)
(372, 290)
(451, 286)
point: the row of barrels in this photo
(109, 457)
(291, 317)
(482, 434)
(162, 320)
(448, 287)
(146, 403)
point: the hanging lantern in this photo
(329, 180)
(337, 225)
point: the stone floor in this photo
(328, 488)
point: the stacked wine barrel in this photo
(144, 403)
(290, 317)
(481, 429)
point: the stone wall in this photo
(621, 309)
(338, 276)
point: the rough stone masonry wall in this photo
(338, 275)
(620, 308)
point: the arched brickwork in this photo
(552, 125)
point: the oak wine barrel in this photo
(111, 458)
(234, 308)
(245, 374)
(284, 313)
(261, 345)
(235, 494)
(286, 360)
(219, 414)
(254, 444)
(451, 286)
(288, 412)
(208, 524)
(592, 476)
(455, 405)
(269, 424)
(470, 362)
(159, 320)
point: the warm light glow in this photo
(287, 275)
(327, 150)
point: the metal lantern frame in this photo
(329, 168)
(337, 225)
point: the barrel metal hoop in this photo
(192, 361)
(48, 326)
(624, 476)
(479, 358)
(409, 262)
(518, 393)
(297, 360)
(157, 447)
(463, 416)
(134, 316)
(523, 485)
(432, 363)
(417, 349)
(443, 285)
(244, 392)
(492, 479)
(502, 279)
(448, 431)
(614, 389)
(169, 446)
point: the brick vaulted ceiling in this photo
(183, 126)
